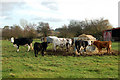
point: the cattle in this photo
(103, 44)
(79, 44)
(22, 41)
(69, 43)
(40, 47)
(61, 42)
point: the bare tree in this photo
(96, 27)
(43, 28)
(93, 27)
(23, 23)
(29, 29)
(16, 31)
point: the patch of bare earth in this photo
(60, 52)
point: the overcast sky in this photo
(57, 12)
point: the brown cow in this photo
(103, 44)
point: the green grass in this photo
(24, 65)
(116, 46)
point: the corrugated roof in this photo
(111, 29)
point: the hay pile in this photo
(86, 37)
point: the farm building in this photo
(112, 34)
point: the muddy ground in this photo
(88, 53)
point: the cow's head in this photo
(14, 42)
(89, 43)
(94, 42)
(12, 39)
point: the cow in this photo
(81, 43)
(69, 43)
(40, 47)
(103, 44)
(61, 42)
(22, 41)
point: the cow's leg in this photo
(108, 50)
(31, 46)
(80, 48)
(67, 47)
(42, 52)
(54, 47)
(17, 48)
(84, 49)
(100, 49)
(28, 47)
(61, 47)
(76, 52)
(36, 52)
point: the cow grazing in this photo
(81, 43)
(61, 42)
(40, 47)
(22, 41)
(103, 44)
(69, 43)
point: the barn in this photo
(112, 34)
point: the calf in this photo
(40, 47)
(22, 41)
(103, 44)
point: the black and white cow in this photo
(40, 47)
(22, 41)
(69, 43)
(81, 43)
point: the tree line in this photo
(92, 27)
(29, 31)
(73, 29)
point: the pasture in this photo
(24, 64)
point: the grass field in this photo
(23, 64)
(116, 46)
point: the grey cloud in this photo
(51, 5)
(8, 18)
(7, 7)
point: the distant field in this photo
(23, 64)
